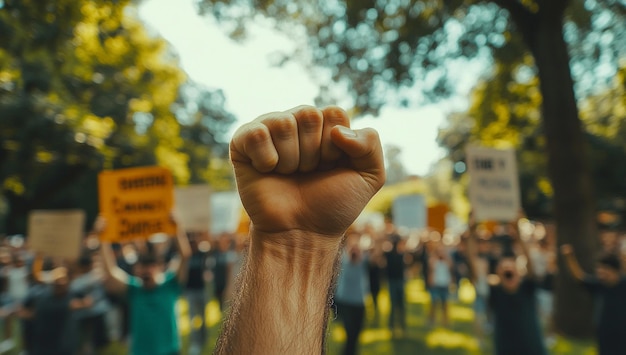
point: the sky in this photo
(253, 87)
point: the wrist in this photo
(295, 247)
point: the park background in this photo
(92, 85)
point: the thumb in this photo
(364, 151)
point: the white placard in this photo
(56, 233)
(494, 184)
(226, 209)
(193, 207)
(409, 211)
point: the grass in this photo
(376, 338)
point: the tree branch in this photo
(523, 18)
(518, 12)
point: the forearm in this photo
(282, 302)
(574, 268)
(530, 270)
(182, 243)
(115, 277)
(108, 260)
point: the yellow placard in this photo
(136, 203)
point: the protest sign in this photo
(225, 212)
(494, 185)
(409, 211)
(56, 233)
(193, 207)
(437, 217)
(136, 203)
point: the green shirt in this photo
(153, 317)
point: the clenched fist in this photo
(305, 170)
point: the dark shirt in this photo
(197, 267)
(395, 265)
(220, 269)
(54, 325)
(461, 266)
(516, 328)
(610, 315)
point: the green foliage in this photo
(84, 87)
(505, 112)
(410, 48)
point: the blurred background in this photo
(93, 85)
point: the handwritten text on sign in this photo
(494, 185)
(56, 233)
(136, 203)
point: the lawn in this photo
(419, 338)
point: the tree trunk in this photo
(568, 168)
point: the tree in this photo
(205, 123)
(83, 87)
(375, 47)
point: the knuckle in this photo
(334, 115)
(282, 127)
(310, 120)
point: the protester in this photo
(352, 288)
(439, 280)
(303, 177)
(223, 258)
(460, 269)
(196, 294)
(374, 272)
(544, 262)
(14, 281)
(608, 286)
(51, 310)
(92, 331)
(395, 267)
(479, 273)
(152, 295)
(512, 300)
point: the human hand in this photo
(305, 170)
(99, 225)
(567, 249)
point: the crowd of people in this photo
(303, 189)
(512, 274)
(63, 307)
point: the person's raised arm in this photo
(303, 177)
(515, 231)
(181, 265)
(572, 263)
(116, 278)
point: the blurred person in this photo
(375, 269)
(237, 260)
(196, 294)
(15, 276)
(51, 310)
(119, 314)
(460, 268)
(513, 303)
(479, 276)
(152, 295)
(352, 289)
(93, 332)
(544, 263)
(303, 176)
(608, 287)
(395, 273)
(223, 260)
(439, 280)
